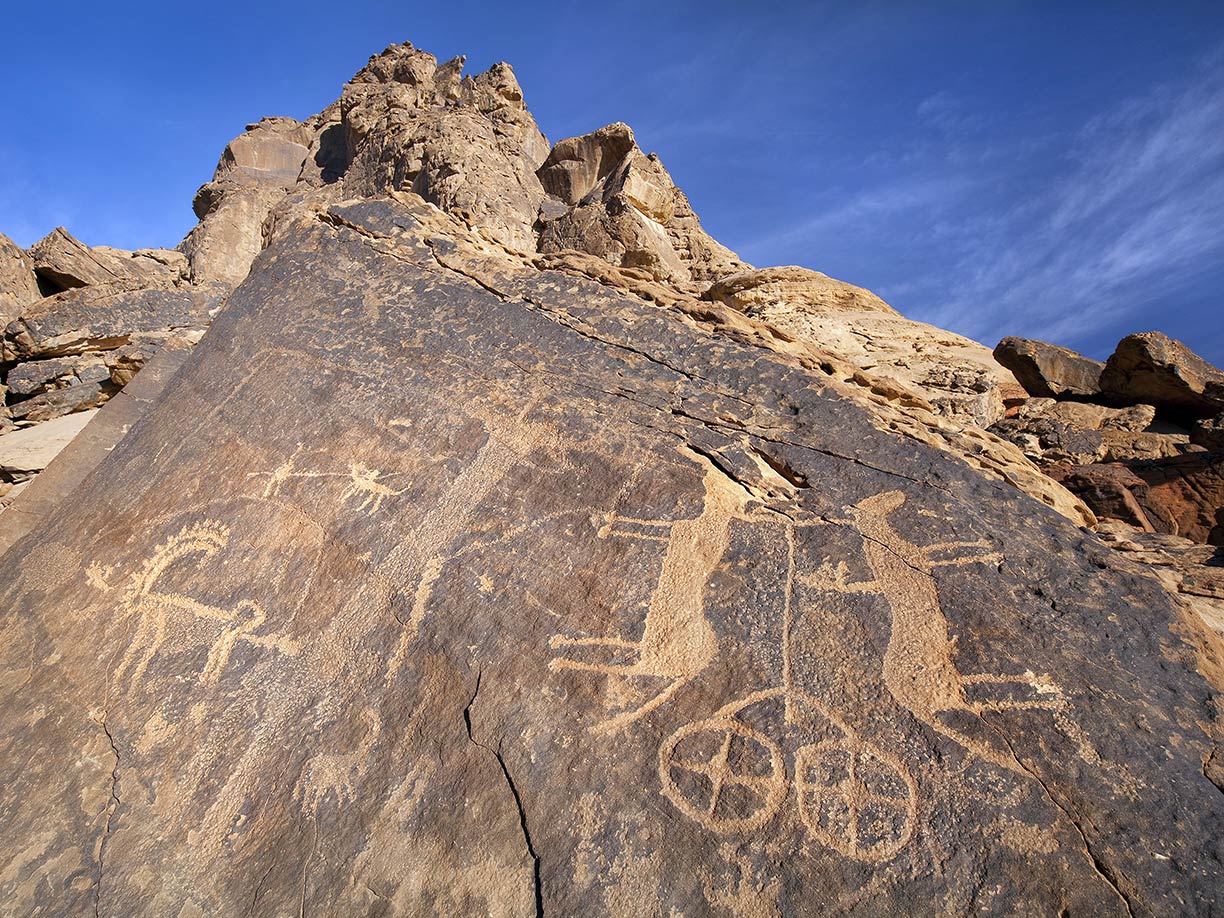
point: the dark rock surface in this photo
(437, 583)
(1049, 371)
(104, 318)
(1153, 369)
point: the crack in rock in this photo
(538, 888)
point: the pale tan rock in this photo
(24, 452)
(467, 144)
(1123, 445)
(791, 288)
(1152, 368)
(18, 284)
(64, 262)
(958, 377)
(254, 173)
(624, 207)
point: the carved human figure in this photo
(677, 641)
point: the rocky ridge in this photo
(538, 556)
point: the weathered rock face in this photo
(1049, 371)
(773, 293)
(1181, 495)
(487, 589)
(18, 284)
(958, 377)
(254, 174)
(1153, 369)
(63, 262)
(103, 318)
(624, 208)
(467, 144)
(1191, 570)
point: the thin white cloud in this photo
(1048, 236)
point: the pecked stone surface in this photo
(477, 588)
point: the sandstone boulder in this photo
(254, 173)
(1181, 494)
(1189, 490)
(1116, 493)
(1049, 371)
(772, 292)
(467, 144)
(1209, 433)
(481, 588)
(18, 283)
(104, 318)
(25, 452)
(63, 262)
(1153, 369)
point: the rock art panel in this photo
(485, 589)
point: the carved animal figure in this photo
(336, 773)
(918, 665)
(202, 541)
(677, 641)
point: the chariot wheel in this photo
(723, 774)
(856, 799)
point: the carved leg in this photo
(560, 640)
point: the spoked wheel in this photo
(855, 798)
(723, 774)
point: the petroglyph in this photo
(423, 552)
(731, 776)
(677, 640)
(363, 482)
(335, 774)
(852, 796)
(154, 608)
(855, 798)
(918, 665)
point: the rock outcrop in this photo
(255, 173)
(18, 283)
(63, 262)
(1049, 371)
(622, 206)
(1153, 369)
(959, 378)
(451, 574)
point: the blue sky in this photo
(1053, 170)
